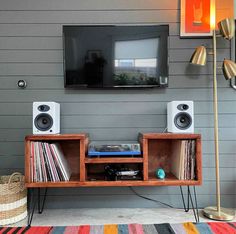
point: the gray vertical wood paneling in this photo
(31, 49)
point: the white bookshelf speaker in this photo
(46, 118)
(180, 117)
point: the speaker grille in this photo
(43, 122)
(183, 120)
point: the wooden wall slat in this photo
(30, 43)
(203, 94)
(30, 30)
(117, 108)
(180, 43)
(95, 17)
(31, 56)
(146, 120)
(54, 30)
(197, 81)
(104, 134)
(55, 43)
(56, 56)
(57, 5)
(184, 55)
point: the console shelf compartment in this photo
(158, 152)
(73, 147)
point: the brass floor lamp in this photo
(226, 30)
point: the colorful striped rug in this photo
(165, 228)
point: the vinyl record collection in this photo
(184, 159)
(48, 163)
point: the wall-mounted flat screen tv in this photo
(115, 56)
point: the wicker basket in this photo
(13, 198)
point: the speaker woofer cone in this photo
(43, 122)
(183, 120)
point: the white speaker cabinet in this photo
(46, 118)
(180, 117)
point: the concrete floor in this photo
(70, 217)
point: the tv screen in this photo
(119, 56)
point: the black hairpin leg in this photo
(192, 201)
(31, 205)
(195, 198)
(41, 207)
(186, 209)
(32, 200)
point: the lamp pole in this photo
(216, 130)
